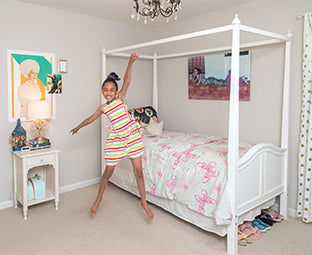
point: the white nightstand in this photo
(28, 163)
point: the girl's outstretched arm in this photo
(88, 120)
(127, 78)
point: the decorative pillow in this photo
(153, 128)
(144, 114)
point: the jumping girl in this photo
(124, 139)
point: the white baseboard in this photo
(6, 204)
(79, 185)
(292, 212)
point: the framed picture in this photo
(27, 80)
(210, 76)
(54, 85)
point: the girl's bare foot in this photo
(148, 211)
(94, 207)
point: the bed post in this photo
(103, 118)
(155, 87)
(103, 74)
(233, 138)
(285, 123)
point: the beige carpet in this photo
(120, 227)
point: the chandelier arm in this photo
(153, 8)
(176, 6)
(147, 12)
(136, 7)
(146, 2)
(166, 12)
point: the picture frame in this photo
(22, 87)
(63, 65)
(210, 76)
(54, 83)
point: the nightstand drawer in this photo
(40, 160)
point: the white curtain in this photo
(304, 204)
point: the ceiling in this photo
(120, 10)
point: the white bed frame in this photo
(261, 174)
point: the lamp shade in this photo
(38, 109)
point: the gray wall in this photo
(79, 39)
(260, 119)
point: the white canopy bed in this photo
(253, 180)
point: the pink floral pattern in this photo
(191, 169)
(170, 184)
(209, 168)
(203, 200)
(186, 155)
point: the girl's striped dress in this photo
(124, 139)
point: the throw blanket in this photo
(191, 169)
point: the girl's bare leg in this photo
(109, 170)
(138, 172)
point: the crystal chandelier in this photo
(154, 8)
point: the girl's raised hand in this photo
(133, 57)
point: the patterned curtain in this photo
(304, 204)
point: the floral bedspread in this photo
(191, 169)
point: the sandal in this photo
(256, 235)
(268, 216)
(265, 219)
(256, 224)
(246, 224)
(245, 234)
(241, 240)
(275, 215)
(248, 229)
(267, 227)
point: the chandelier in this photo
(154, 8)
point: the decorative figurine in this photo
(18, 137)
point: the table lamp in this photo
(38, 111)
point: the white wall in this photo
(260, 118)
(79, 39)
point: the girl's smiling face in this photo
(109, 91)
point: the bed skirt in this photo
(124, 178)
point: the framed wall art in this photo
(54, 85)
(210, 77)
(27, 80)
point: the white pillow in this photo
(153, 128)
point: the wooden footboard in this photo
(262, 176)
